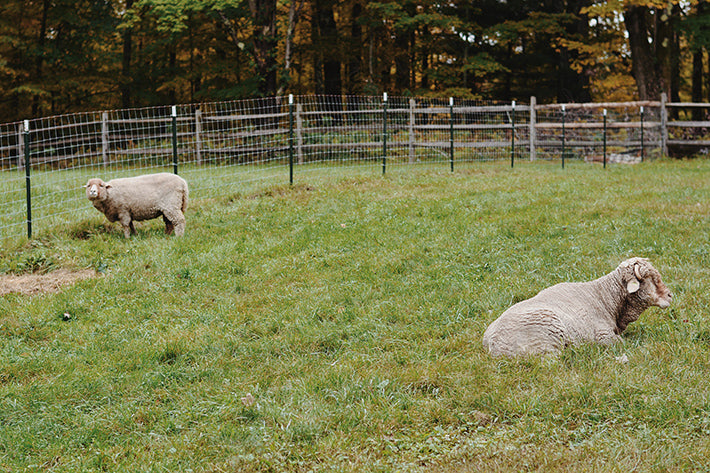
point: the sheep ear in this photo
(108, 186)
(633, 285)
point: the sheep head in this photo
(644, 282)
(96, 189)
(644, 288)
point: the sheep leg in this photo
(174, 221)
(127, 224)
(168, 226)
(607, 337)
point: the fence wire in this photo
(595, 133)
(226, 147)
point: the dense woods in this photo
(60, 56)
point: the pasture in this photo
(335, 325)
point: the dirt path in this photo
(42, 283)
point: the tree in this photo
(327, 61)
(125, 81)
(654, 46)
(696, 27)
(265, 41)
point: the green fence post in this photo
(28, 187)
(451, 138)
(563, 136)
(384, 132)
(290, 139)
(604, 165)
(175, 150)
(512, 135)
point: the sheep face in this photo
(96, 189)
(643, 283)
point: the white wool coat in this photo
(138, 198)
(569, 313)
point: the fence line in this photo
(233, 144)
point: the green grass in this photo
(351, 310)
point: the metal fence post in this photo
(384, 132)
(175, 151)
(512, 135)
(604, 166)
(28, 187)
(290, 139)
(451, 137)
(563, 136)
(641, 133)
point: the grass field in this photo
(336, 326)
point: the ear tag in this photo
(633, 286)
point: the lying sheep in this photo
(141, 198)
(569, 313)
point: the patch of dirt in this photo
(31, 284)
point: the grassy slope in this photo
(352, 312)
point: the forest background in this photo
(60, 56)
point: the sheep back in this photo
(558, 316)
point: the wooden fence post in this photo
(411, 131)
(451, 132)
(173, 115)
(664, 126)
(533, 119)
(563, 135)
(104, 138)
(198, 136)
(384, 133)
(299, 133)
(512, 134)
(20, 146)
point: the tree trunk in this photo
(698, 77)
(425, 58)
(643, 61)
(402, 43)
(667, 52)
(265, 42)
(126, 63)
(578, 83)
(41, 41)
(328, 44)
(697, 85)
(293, 12)
(354, 74)
(172, 68)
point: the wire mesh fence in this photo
(229, 147)
(614, 133)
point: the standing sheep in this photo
(141, 198)
(569, 313)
